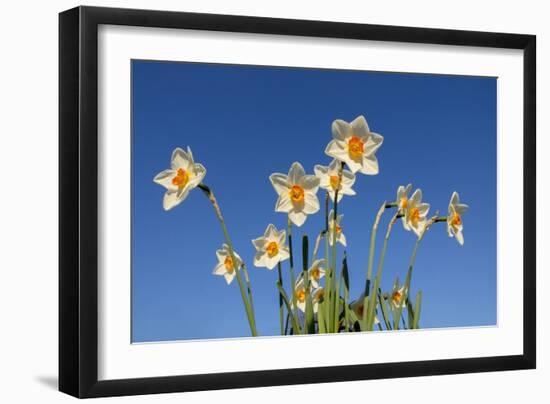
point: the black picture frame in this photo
(78, 205)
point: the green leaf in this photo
(295, 325)
(417, 307)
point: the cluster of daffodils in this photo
(317, 299)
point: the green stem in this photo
(409, 272)
(372, 299)
(326, 303)
(247, 305)
(281, 310)
(294, 322)
(292, 277)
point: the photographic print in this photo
(280, 201)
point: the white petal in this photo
(259, 259)
(171, 200)
(281, 237)
(270, 232)
(455, 198)
(229, 277)
(284, 254)
(341, 129)
(359, 126)
(423, 208)
(416, 197)
(461, 208)
(280, 183)
(342, 239)
(309, 183)
(298, 218)
(259, 243)
(199, 173)
(459, 237)
(164, 178)
(337, 149)
(373, 143)
(320, 171)
(219, 269)
(311, 203)
(370, 165)
(284, 204)
(295, 173)
(181, 159)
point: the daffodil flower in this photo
(402, 201)
(355, 145)
(416, 213)
(226, 267)
(316, 272)
(454, 218)
(270, 248)
(183, 175)
(340, 238)
(358, 307)
(300, 295)
(396, 297)
(297, 193)
(330, 180)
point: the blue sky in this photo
(244, 123)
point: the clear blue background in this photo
(244, 123)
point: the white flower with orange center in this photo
(316, 272)
(183, 175)
(355, 145)
(416, 213)
(297, 193)
(226, 266)
(336, 226)
(270, 248)
(300, 295)
(454, 218)
(402, 201)
(330, 180)
(358, 307)
(397, 297)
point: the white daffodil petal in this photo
(171, 200)
(370, 165)
(359, 126)
(295, 173)
(341, 130)
(336, 150)
(342, 239)
(229, 277)
(373, 143)
(259, 259)
(284, 204)
(298, 218)
(459, 237)
(309, 183)
(180, 159)
(311, 203)
(164, 178)
(280, 183)
(219, 269)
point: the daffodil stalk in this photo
(281, 310)
(293, 278)
(309, 326)
(409, 272)
(372, 299)
(246, 301)
(335, 294)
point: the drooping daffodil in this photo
(358, 307)
(270, 248)
(316, 272)
(336, 226)
(354, 144)
(416, 213)
(300, 295)
(226, 266)
(454, 218)
(297, 193)
(396, 297)
(330, 179)
(402, 201)
(182, 176)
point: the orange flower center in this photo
(414, 215)
(334, 182)
(181, 179)
(338, 229)
(315, 273)
(355, 147)
(228, 264)
(272, 249)
(404, 203)
(456, 220)
(297, 193)
(300, 295)
(396, 297)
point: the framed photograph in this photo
(251, 201)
